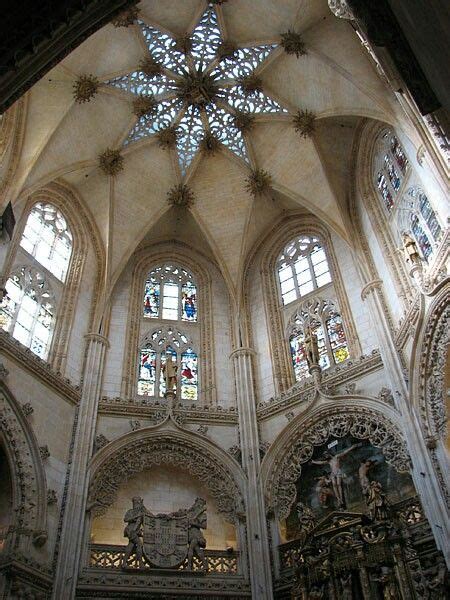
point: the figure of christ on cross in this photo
(336, 475)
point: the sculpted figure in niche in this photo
(197, 541)
(133, 530)
(170, 374)
(336, 474)
(376, 501)
(311, 348)
(410, 250)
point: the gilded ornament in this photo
(293, 43)
(180, 195)
(258, 181)
(197, 89)
(85, 88)
(150, 67)
(251, 84)
(244, 121)
(304, 122)
(144, 105)
(226, 50)
(209, 144)
(183, 44)
(126, 17)
(111, 162)
(167, 137)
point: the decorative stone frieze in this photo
(293, 43)
(111, 162)
(181, 195)
(85, 88)
(304, 122)
(258, 182)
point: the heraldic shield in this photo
(166, 540)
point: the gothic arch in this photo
(85, 232)
(28, 475)
(281, 466)
(167, 444)
(144, 261)
(305, 224)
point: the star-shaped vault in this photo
(198, 84)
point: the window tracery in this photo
(302, 268)
(391, 168)
(48, 239)
(196, 87)
(322, 318)
(27, 311)
(170, 293)
(163, 344)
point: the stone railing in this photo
(219, 562)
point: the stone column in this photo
(71, 540)
(422, 472)
(257, 536)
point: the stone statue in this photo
(410, 250)
(346, 585)
(197, 542)
(363, 471)
(169, 370)
(336, 474)
(376, 502)
(311, 348)
(134, 519)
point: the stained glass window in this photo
(197, 87)
(27, 310)
(48, 238)
(391, 167)
(170, 293)
(302, 268)
(163, 344)
(322, 319)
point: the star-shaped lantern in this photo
(200, 86)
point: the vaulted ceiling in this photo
(335, 79)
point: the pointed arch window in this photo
(302, 268)
(27, 311)
(163, 344)
(170, 293)
(325, 322)
(416, 216)
(391, 165)
(48, 239)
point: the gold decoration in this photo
(293, 43)
(111, 162)
(197, 89)
(181, 195)
(144, 105)
(250, 84)
(126, 17)
(183, 44)
(304, 122)
(85, 88)
(209, 144)
(258, 181)
(150, 67)
(226, 50)
(244, 121)
(167, 137)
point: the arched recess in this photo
(167, 444)
(85, 233)
(282, 464)
(144, 261)
(28, 477)
(281, 361)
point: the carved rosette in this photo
(362, 424)
(142, 454)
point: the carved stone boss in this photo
(165, 540)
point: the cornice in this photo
(301, 392)
(35, 365)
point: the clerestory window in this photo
(170, 293)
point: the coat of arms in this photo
(165, 540)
